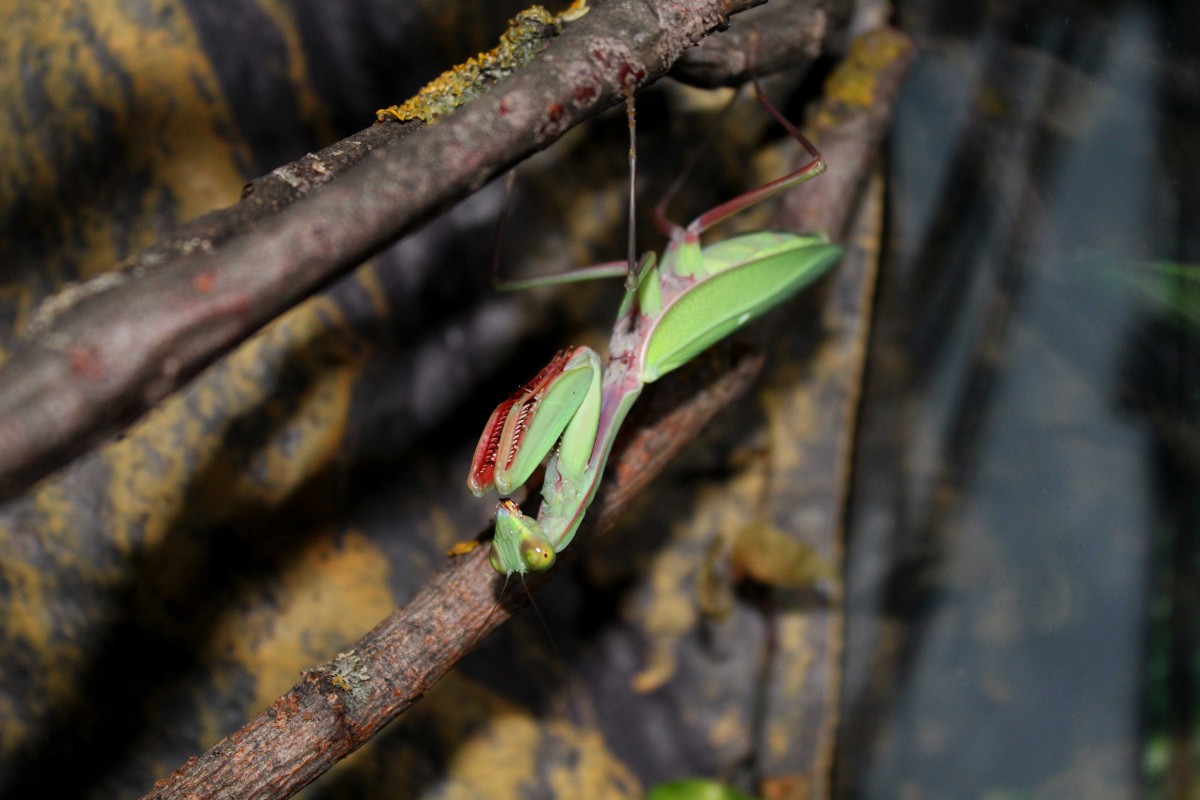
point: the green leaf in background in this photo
(1172, 286)
(696, 789)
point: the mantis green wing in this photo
(749, 275)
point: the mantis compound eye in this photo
(537, 553)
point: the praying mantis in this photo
(673, 309)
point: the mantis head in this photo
(519, 544)
(561, 405)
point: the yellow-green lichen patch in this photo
(527, 33)
(350, 674)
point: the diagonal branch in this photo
(337, 707)
(110, 350)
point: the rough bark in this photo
(104, 353)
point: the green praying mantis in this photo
(673, 309)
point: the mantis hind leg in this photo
(810, 169)
(608, 269)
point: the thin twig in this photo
(786, 35)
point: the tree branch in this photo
(780, 35)
(337, 707)
(108, 351)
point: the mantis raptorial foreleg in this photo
(674, 309)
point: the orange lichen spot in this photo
(525, 37)
(576, 10)
(350, 675)
(462, 548)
